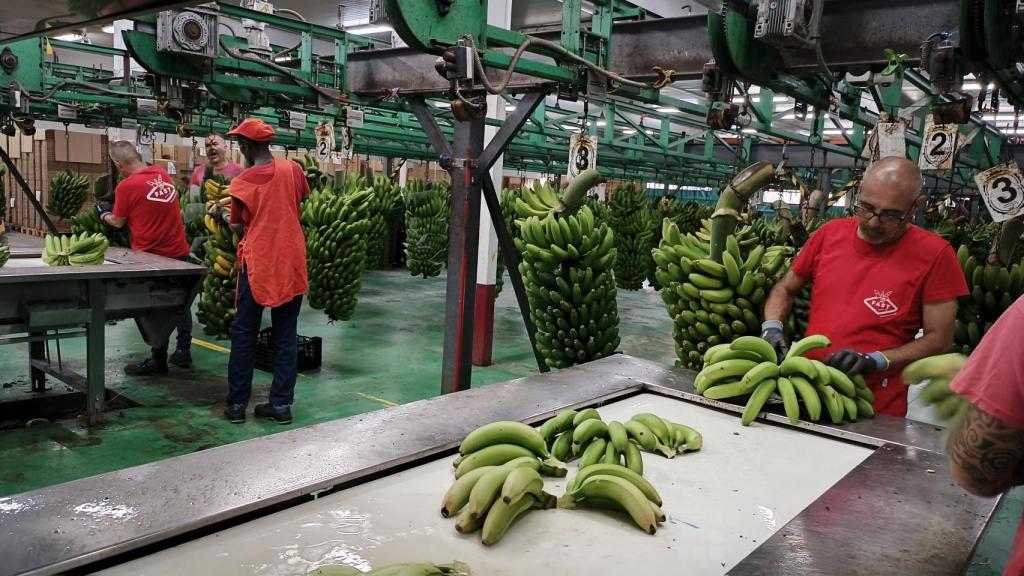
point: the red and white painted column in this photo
(499, 13)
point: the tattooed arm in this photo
(985, 455)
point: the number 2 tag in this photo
(1002, 188)
(938, 148)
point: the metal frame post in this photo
(28, 191)
(94, 349)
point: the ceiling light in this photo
(440, 104)
(970, 86)
(668, 109)
(509, 108)
(628, 131)
(69, 37)
(601, 122)
(649, 131)
(108, 29)
(749, 131)
(364, 30)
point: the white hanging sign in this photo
(892, 139)
(938, 149)
(353, 118)
(324, 140)
(1002, 188)
(296, 120)
(582, 154)
(66, 112)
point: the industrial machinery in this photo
(772, 499)
(40, 304)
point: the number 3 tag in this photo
(1002, 188)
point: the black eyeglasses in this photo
(885, 217)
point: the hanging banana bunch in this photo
(88, 222)
(385, 195)
(315, 177)
(633, 223)
(508, 214)
(567, 260)
(426, 227)
(217, 301)
(67, 194)
(337, 229)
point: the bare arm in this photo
(985, 455)
(115, 221)
(938, 335)
(780, 300)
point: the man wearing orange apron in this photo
(271, 271)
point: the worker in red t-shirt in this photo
(147, 202)
(878, 280)
(986, 451)
(265, 206)
(216, 162)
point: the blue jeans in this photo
(283, 336)
(184, 333)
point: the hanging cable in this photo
(297, 79)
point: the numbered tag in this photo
(1002, 188)
(582, 154)
(66, 112)
(353, 118)
(892, 139)
(324, 140)
(938, 149)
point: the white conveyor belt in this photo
(721, 502)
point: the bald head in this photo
(899, 178)
(124, 152)
(891, 190)
(126, 157)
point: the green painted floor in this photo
(389, 353)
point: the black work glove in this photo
(855, 363)
(104, 206)
(777, 339)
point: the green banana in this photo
(505, 432)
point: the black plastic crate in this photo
(310, 351)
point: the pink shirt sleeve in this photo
(993, 378)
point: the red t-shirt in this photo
(229, 170)
(870, 297)
(993, 380)
(261, 175)
(149, 201)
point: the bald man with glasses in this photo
(877, 281)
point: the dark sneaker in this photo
(181, 358)
(234, 414)
(280, 415)
(147, 367)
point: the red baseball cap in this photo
(254, 129)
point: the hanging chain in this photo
(67, 149)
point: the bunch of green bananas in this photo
(67, 193)
(75, 250)
(669, 208)
(217, 302)
(633, 222)
(993, 288)
(426, 227)
(315, 177)
(403, 569)
(337, 228)
(935, 373)
(215, 188)
(749, 367)
(713, 302)
(598, 207)
(508, 214)
(385, 195)
(498, 477)
(800, 314)
(567, 268)
(5, 254)
(88, 222)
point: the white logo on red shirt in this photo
(881, 304)
(161, 191)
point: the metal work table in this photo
(902, 490)
(39, 300)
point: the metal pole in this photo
(463, 232)
(94, 352)
(28, 191)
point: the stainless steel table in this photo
(897, 511)
(38, 301)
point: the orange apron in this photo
(273, 249)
